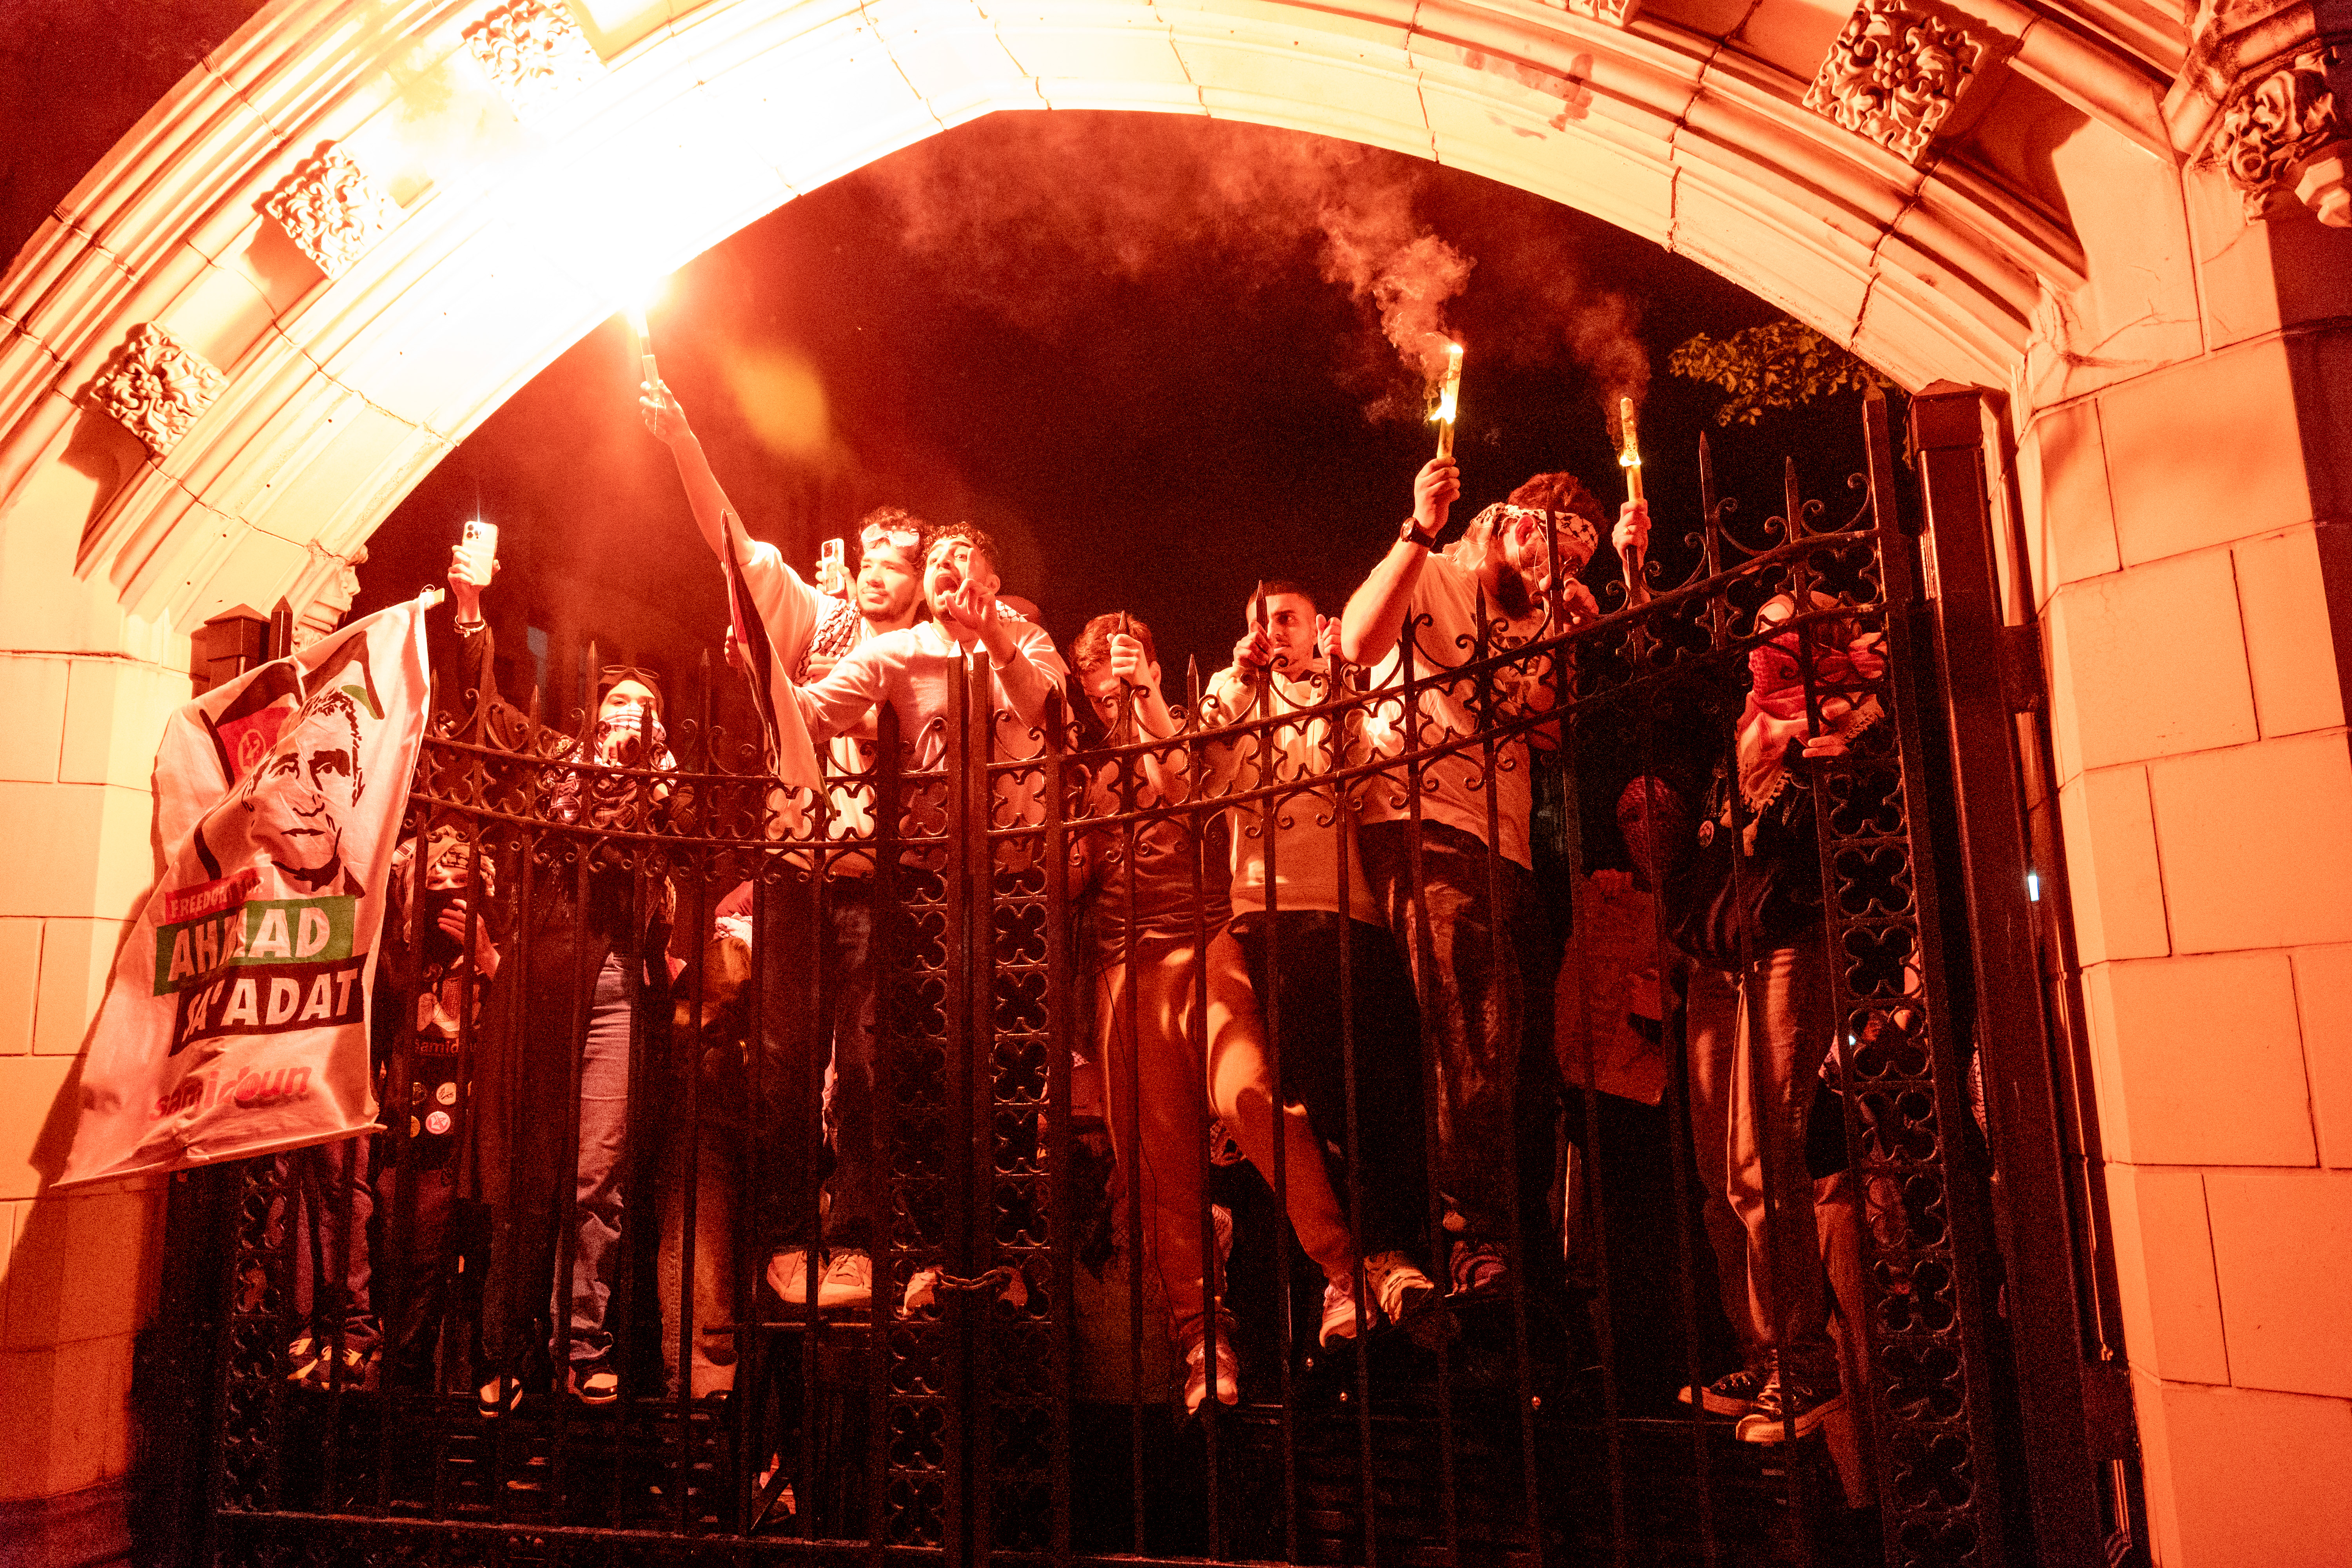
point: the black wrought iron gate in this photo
(1008, 1391)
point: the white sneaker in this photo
(1339, 1310)
(847, 1281)
(788, 1275)
(1196, 1358)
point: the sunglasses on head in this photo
(878, 535)
(613, 674)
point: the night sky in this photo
(1118, 342)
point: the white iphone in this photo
(480, 543)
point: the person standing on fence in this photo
(809, 632)
(1160, 947)
(1466, 923)
(429, 997)
(1300, 931)
(1745, 903)
(607, 932)
(916, 671)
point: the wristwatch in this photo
(1411, 533)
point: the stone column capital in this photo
(2266, 94)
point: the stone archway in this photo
(363, 225)
(339, 243)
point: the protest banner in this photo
(235, 1021)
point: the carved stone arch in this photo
(355, 226)
(375, 222)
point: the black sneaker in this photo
(1778, 1405)
(1733, 1394)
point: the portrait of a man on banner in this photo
(236, 1023)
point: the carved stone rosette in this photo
(1894, 75)
(332, 209)
(156, 387)
(2283, 142)
(1610, 12)
(536, 54)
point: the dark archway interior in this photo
(1113, 339)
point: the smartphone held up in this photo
(478, 550)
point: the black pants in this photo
(1297, 976)
(1482, 973)
(816, 998)
(331, 1269)
(428, 1242)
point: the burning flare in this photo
(1629, 458)
(642, 296)
(1629, 452)
(1449, 396)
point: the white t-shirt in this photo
(1309, 826)
(790, 610)
(915, 671)
(1442, 621)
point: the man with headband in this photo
(1416, 617)
(809, 632)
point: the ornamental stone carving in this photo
(1894, 75)
(1610, 12)
(2283, 142)
(332, 209)
(156, 387)
(2261, 96)
(536, 54)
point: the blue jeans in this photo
(603, 1137)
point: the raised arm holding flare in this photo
(666, 420)
(1375, 612)
(809, 632)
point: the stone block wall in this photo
(2186, 517)
(78, 1270)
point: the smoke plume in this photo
(1013, 200)
(1388, 260)
(1540, 282)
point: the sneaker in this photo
(594, 1383)
(1196, 1376)
(502, 1396)
(1405, 1294)
(310, 1360)
(358, 1375)
(847, 1281)
(1339, 1310)
(788, 1275)
(1733, 1394)
(1479, 1269)
(1776, 1404)
(921, 1297)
